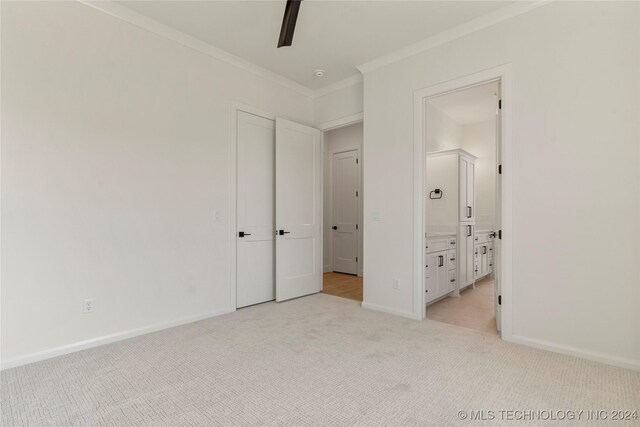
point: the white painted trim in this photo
(349, 81)
(577, 352)
(341, 122)
(107, 339)
(477, 24)
(502, 73)
(389, 310)
(139, 20)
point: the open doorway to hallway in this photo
(462, 207)
(342, 224)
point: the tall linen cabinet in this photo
(450, 213)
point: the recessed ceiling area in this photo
(335, 36)
(468, 106)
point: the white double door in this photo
(279, 210)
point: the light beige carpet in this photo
(319, 360)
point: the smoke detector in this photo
(318, 73)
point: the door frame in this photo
(236, 107)
(332, 204)
(503, 74)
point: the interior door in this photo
(298, 210)
(255, 210)
(497, 243)
(345, 212)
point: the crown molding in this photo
(344, 83)
(139, 20)
(454, 33)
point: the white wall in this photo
(334, 141)
(338, 104)
(442, 132)
(479, 139)
(115, 156)
(576, 174)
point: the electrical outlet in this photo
(88, 306)
(396, 283)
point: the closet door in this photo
(298, 210)
(255, 210)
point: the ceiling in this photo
(473, 105)
(332, 35)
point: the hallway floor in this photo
(342, 285)
(474, 309)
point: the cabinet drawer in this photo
(452, 279)
(452, 262)
(437, 244)
(481, 238)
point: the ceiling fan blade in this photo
(289, 22)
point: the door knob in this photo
(282, 232)
(335, 227)
(242, 234)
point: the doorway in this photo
(342, 225)
(463, 206)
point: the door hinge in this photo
(356, 161)
(499, 299)
(500, 234)
(500, 169)
(356, 194)
(500, 104)
(356, 226)
(356, 259)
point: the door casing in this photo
(503, 75)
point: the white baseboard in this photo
(328, 269)
(577, 352)
(389, 310)
(106, 339)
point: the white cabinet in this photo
(453, 173)
(440, 267)
(452, 207)
(466, 254)
(483, 255)
(467, 172)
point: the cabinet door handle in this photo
(468, 231)
(440, 260)
(484, 250)
(469, 211)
